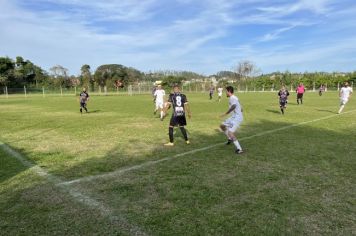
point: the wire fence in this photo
(203, 87)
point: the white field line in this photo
(150, 163)
(75, 193)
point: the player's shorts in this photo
(83, 104)
(283, 103)
(232, 124)
(219, 94)
(159, 104)
(299, 95)
(178, 121)
(343, 101)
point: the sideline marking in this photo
(149, 163)
(75, 193)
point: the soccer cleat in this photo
(187, 142)
(238, 151)
(229, 141)
(169, 144)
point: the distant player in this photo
(220, 92)
(159, 100)
(180, 106)
(300, 92)
(345, 95)
(211, 92)
(230, 125)
(283, 98)
(321, 89)
(83, 98)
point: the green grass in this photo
(299, 180)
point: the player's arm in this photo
(230, 110)
(187, 110)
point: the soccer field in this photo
(107, 172)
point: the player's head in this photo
(346, 84)
(229, 91)
(176, 88)
(159, 86)
(84, 89)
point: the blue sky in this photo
(201, 36)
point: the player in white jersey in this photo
(159, 98)
(344, 94)
(220, 92)
(230, 125)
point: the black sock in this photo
(170, 132)
(80, 110)
(282, 110)
(86, 109)
(184, 132)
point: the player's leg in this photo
(301, 98)
(231, 134)
(342, 106)
(161, 110)
(81, 108)
(170, 132)
(85, 107)
(156, 109)
(224, 128)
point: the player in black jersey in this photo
(283, 98)
(180, 106)
(83, 99)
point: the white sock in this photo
(341, 108)
(237, 145)
(161, 114)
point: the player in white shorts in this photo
(220, 91)
(159, 98)
(230, 125)
(344, 94)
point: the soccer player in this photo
(300, 91)
(180, 106)
(83, 98)
(211, 92)
(344, 94)
(321, 89)
(220, 91)
(283, 98)
(230, 125)
(159, 100)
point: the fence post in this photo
(117, 89)
(6, 92)
(326, 87)
(246, 90)
(129, 90)
(61, 91)
(75, 91)
(263, 88)
(314, 86)
(24, 89)
(338, 86)
(43, 92)
(139, 88)
(105, 90)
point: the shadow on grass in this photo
(297, 179)
(9, 165)
(274, 111)
(292, 179)
(323, 110)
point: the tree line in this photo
(19, 72)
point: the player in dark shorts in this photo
(83, 99)
(211, 92)
(283, 98)
(179, 103)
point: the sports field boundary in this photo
(75, 193)
(120, 171)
